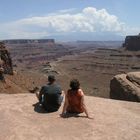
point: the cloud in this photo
(67, 10)
(64, 22)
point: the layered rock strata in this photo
(132, 43)
(126, 87)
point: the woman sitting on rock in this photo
(74, 100)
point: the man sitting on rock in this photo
(50, 96)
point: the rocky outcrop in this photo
(132, 43)
(134, 77)
(5, 59)
(23, 119)
(126, 87)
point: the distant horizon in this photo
(64, 40)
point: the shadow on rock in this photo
(69, 115)
(38, 108)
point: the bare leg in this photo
(37, 95)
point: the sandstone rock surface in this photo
(22, 119)
(126, 87)
(134, 77)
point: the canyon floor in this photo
(93, 63)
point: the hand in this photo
(90, 117)
(63, 115)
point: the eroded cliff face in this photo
(132, 43)
(5, 59)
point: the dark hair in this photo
(74, 84)
(51, 78)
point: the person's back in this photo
(75, 101)
(51, 97)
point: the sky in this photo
(69, 19)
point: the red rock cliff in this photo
(5, 59)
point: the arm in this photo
(84, 106)
(39, 95)
(65, 105)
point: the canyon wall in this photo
(5, 59)
(132, 43)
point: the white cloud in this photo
(67, 10)
(88, 20)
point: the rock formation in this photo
(23, 119)
(5, 59)
(132, 43)
(26, 41)
(126, 87)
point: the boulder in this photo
(126, 87)
(134, 77)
